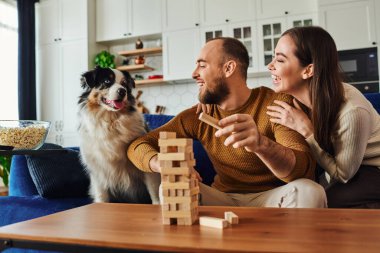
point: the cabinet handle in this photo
(59, 39)
(56, 126)
(227, 20)
(61, 125)
(374, 43)
(124, 34)
(286, 12)
(196, 24)
(55, 39)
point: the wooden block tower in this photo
(179, 184)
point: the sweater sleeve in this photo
(349, 144)
(144, 148)
(305, 164)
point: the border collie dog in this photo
(108, 123)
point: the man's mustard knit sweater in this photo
(238, 170)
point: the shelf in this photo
(137, 67)
(149, 81)
(142, 51)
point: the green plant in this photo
(5, 168)
(105, 60)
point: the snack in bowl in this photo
(23, 134)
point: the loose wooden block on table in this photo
(231, 217)
(212, 222)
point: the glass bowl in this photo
(23, 134)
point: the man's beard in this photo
(216, 96)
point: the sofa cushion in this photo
(20, 181)
(58, 175)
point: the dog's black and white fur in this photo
(109, 122)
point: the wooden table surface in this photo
(259, 230)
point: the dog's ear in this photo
(88, 79)
(129, 79)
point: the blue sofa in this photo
(24, 201)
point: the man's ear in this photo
(308, 71)
(88, 79)
(229, 67)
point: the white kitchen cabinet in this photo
(113, 19)
(60, 20)
(146, 17)
(121, 19)
(59, 66)
(244, 31)
(270, 31)
(181, 51)
(352, 25)
(59, 88)
(180, 14)
(279, 8)
(215, 12)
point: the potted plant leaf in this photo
(105, 59)
(5, 167)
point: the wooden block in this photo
(165, 207)
(174, 156)
(180, 142)
(187, 163)
(185, 149)
(172, 192)
(212, 222)
(177, 185)
(209, 120)
(166, 164)
(175, 171)
(180, 199)
(231, 217)
(168, 221)
(168, 135)
(176, 214)
(169, 149)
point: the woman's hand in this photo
(202, 108)
(292, 117)
(241, 131)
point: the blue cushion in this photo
(20, 181)
(58, 175)
(374, 98)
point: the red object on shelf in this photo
(155, 77)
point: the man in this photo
(258, 163)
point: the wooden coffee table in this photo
(123, 227)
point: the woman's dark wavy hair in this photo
(315, 46)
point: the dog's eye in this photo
(107, 81)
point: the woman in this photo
(341, 127)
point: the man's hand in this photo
(291, 117)
(154, 165)
(241, 131)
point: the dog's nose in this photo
(122, 92)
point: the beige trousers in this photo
(303, 193)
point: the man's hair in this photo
(233, 49)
